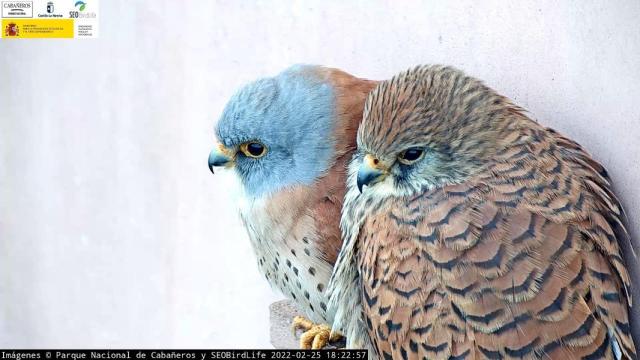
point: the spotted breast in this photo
(288, 138)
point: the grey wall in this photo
(112, 230)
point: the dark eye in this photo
(253, 149)
(411, 155)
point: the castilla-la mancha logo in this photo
(11, 30)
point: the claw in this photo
(300, 322)
(315, 336)
(334, 336)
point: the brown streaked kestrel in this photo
(288, 139)
(472, 232)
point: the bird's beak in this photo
(371, 171)
(221, 156)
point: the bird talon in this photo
(315, 336)
(300, 322)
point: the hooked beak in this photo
(221, 156)
(371, 172)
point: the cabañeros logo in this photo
(17, 9)
(16, 5)
(11, 30)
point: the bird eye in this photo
(411, 155)
(253, 149)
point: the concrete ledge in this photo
(281, 315)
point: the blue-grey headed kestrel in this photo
(472, 232)
(289, 138)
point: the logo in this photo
(11, 30)
(80, 13)
(51, 11)
(17, 9)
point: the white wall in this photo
(113, 233)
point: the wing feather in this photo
(522, 261)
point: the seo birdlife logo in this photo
(80, 12)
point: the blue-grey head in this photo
(278, 131)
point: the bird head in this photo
(428, 127)
(278, 131)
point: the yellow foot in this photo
(315, 336)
